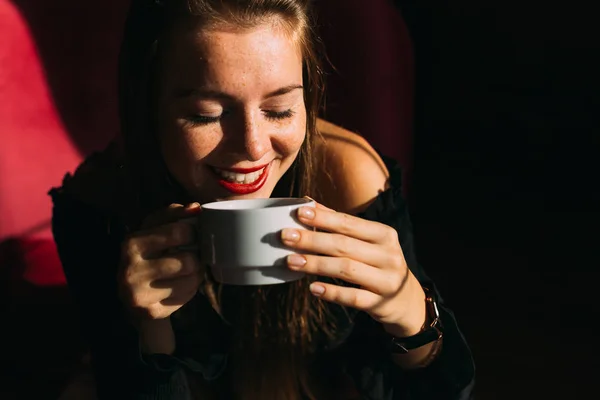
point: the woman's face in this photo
(231, 111)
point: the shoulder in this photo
(96, 182)
(353, 174)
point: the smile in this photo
(242, 180)
(237, 177)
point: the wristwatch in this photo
(432, 330)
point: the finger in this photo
(173, 266)
(346, 269)
(170, 214)
(175, 298)
(180, 298)
(183, 290)
(166, 308)
(317, 204)
(144, 298)
(153, 242)
(176, 287)
(335, 245)
(346, 224)
(357, 298)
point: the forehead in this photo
(225, 56)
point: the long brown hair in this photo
(276, 328)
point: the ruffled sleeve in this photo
(452, 374)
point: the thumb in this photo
(173, 213)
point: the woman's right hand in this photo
(157, 277)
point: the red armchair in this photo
(58, 103)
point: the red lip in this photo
(241, 188)
(244, 170)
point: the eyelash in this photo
(271, 115)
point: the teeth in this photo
(240, 178)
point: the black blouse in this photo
(88, 240)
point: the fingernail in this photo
(296, 261)
(316, 289)
(290, 235)
(192, 206)
(306, 212)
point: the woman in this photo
(219, 100)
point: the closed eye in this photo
(196, 120)
(279, 115)
(202, 119)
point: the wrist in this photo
(157, 336)
(414, 317)
(421, 348)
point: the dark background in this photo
(504, 194)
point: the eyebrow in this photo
(215, 94)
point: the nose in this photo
(256, 140)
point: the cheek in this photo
(182, 148)
(175, 147)
(290, 139)
(178, 145)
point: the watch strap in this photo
(431, 332)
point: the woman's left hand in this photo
(362, 252)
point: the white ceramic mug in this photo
(240, 239)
